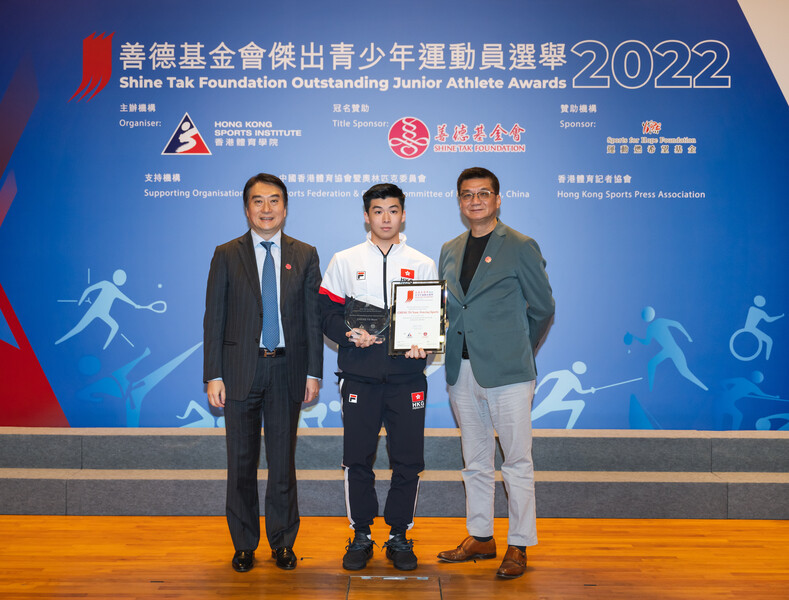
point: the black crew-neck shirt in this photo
(475, 248)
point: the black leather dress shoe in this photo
(243, 560)
(285, 557)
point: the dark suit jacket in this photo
(234, 316)
(505, 313)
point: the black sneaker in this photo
(401, 552)
(358, 552)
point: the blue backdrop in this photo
(642, 144)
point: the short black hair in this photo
(265, 178)
(383, 190)
(479, 173)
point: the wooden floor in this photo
(189, 558)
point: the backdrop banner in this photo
(642, 144)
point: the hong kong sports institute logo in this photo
(409, 137)
(186, 140)
(96, 65)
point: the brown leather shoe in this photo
(469, 549)
(513, 565)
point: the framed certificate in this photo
(418, 316)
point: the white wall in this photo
(768, 20)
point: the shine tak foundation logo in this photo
(409, 137)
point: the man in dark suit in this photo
(500, 306)
(263, 357)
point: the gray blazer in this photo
(234, 316)
(506, 312)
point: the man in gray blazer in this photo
(500, 306)
(263, 357)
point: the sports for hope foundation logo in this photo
(409, 137)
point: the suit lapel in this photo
(456, 255)
(248, 262)
(488, 258)
(286, 268)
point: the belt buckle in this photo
(268, 353)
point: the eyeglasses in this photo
(483, 195)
